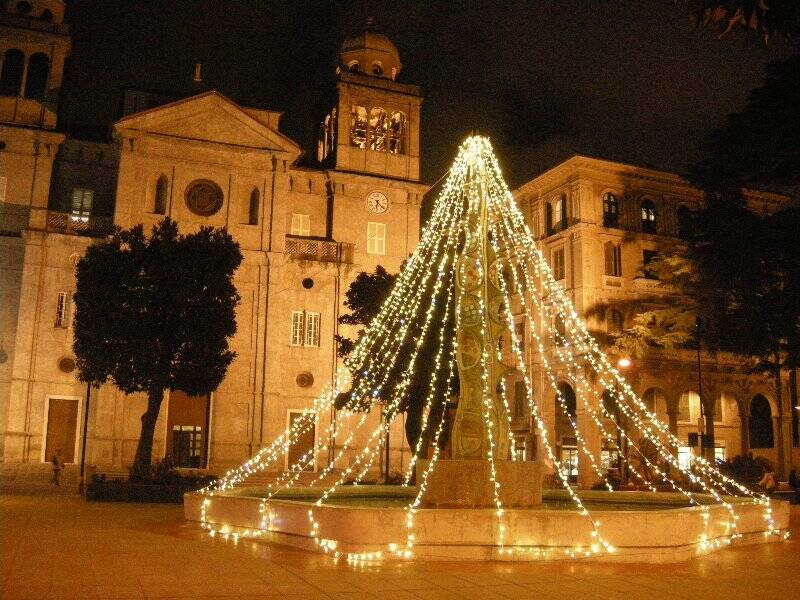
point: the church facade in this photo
(305, 233)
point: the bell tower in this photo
(373, 127)
(34, 44)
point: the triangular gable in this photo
(209, 117)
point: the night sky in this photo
(629, 80)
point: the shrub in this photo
(745, 468)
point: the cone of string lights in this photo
(475, 275)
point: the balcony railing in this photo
(93, 225)
(308, 248)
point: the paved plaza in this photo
(58, 546)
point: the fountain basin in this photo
(640, 526)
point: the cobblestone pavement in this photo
(59, 546)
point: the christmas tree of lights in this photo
(476, 271)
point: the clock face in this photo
(377, 202)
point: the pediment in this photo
(212, 118)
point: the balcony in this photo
(26, 112)
(317, 249)
(93, 226)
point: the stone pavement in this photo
(62, 547)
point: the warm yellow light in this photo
(624, 362)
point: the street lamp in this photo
(622, 443)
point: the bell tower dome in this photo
(371, 53)
(373, 126)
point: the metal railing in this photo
(92, 225)
(306, 248)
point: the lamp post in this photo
(622, 442)
(82, 484)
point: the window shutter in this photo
(609, 256)
(376, 238)
(297, 327)
(301, 225)
(312, 329)
(549, 217)
(61, 309)
(3, 186)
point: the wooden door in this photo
(62, 423)
(303, 445)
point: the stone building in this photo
(305, 233)
(307, 225)
(598, 223)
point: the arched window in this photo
(760, 423)
(557, 214)
(160, 197)
(358, 126)
(568, 396)
(614, 321)
(11, 76)
(613, 258)
(378, 129)
(253, 207)
(609, 403)
(648, 216)
(610, 210)
(685, 226)
(397, 129)
(36, 81)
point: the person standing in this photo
(57, 466)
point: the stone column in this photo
(744, 427)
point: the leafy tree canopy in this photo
(155, 313)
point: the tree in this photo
(763, 18)
(156, 313)
(364, 299)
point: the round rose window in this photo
(203, 197)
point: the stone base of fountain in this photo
(468, 484)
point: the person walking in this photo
(57, 466)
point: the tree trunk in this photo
(780, 470)
(144, 451)
(708, 453)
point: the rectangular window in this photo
(648, 256)
(559, 265)
(3, 186)
(298, 323)
(312, 329)
(376, 238)
(62, 309)
(685, 457)
(305, 328)
(613, 258)
(81, 204)
(719, 454)
(301, 225)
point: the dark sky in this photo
(630, 80)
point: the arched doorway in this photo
(760, 423)
(565, 434)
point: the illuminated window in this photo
(378, 129)
(610, 210)
(81, 204)
(556, 214)
(648, 216)
(397, 128)
(301, 225)
(720, 454)
(376, 238)
(559, 264)
(358, 126)
(613, 258)
(327, 136)
(685, 457)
